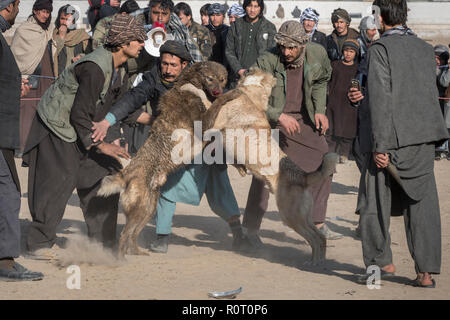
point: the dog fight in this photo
(323, 155)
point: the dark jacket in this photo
(332, 46)
(234, 49)
(150, 89)
(320, 38)
(10, 86)
(218, 43)
(403, 112)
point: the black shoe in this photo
(161, 244)
(19, 273)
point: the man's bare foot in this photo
(389, 268)
(424, 279)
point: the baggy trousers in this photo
(306, 150)
(381, 196)
(9, 213)
(55, 167)
(188, 185)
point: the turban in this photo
(441, 51)
(309, 14)
(216, 8)
(124, 29)
(291, 34)
(177, 49)
(367, 23)
(236, 10)
(340, 14)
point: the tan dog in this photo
(140, 181)
(245, 108)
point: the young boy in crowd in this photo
(342, 115)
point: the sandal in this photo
(417, 283)
(383, 276)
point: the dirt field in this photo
(199, 258)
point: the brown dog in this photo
(140, 181)
(244, 108)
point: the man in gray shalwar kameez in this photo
(406, 124)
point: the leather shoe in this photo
(19, 273)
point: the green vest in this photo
(56, 103)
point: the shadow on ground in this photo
(340, 188)
(215, 235)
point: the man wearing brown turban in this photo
(342, 31)
(297, 108)
(60, 152)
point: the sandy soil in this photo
(199, 258)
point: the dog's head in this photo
(209, 76)
(259, 78)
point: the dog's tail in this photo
(112, 185)
(295, 175)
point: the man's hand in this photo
(381, 159)
(354, 95)
(289, 124)
(144, 118)
(241, 72)
(75, 59)
(100, 129)
(25, 88)
(113, 150)
(321, 121)
(62, 31)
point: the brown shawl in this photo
(72, 39)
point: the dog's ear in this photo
(191, 74)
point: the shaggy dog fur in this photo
(140, 181)
(245, 108)
(242, 108)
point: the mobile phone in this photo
(355, 84)
(33, 82)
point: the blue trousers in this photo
(188, 185)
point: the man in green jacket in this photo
(248, 38)
(297, 108)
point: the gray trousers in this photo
(381, 196)
(9, 213)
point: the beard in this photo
(297, 61)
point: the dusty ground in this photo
(199, 258)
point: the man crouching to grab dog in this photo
(188, 184)
(60, 152)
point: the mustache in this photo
(168, 75)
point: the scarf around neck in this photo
(400, 30)
(4, 25)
